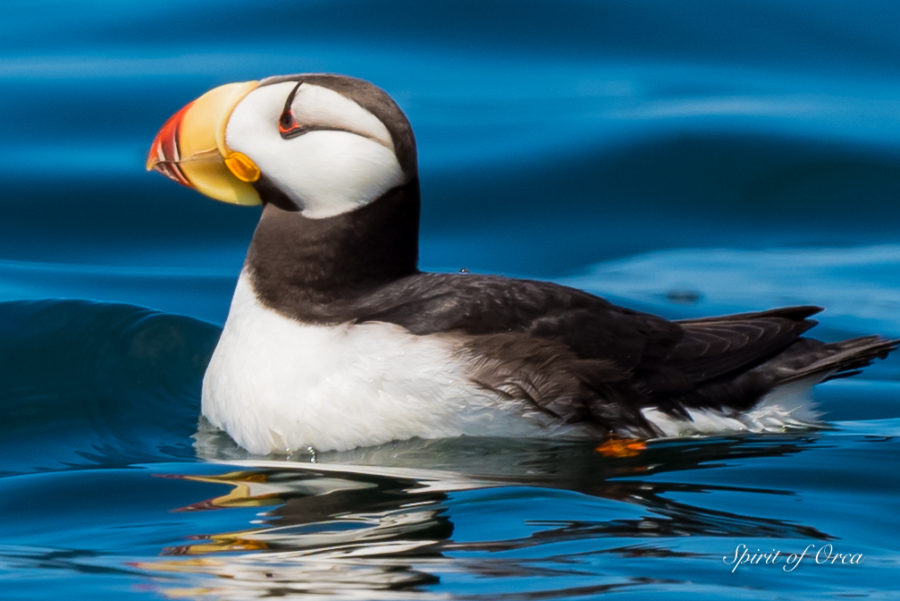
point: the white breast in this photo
(275, 385)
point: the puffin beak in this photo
(190, 148)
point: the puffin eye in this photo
(288, 128)
(287, 125)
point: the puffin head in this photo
(315, 143)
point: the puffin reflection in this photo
(319, 531)
(348, 526)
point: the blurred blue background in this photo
(686, 158)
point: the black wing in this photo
(533, 337)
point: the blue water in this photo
(685, 158)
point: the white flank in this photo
(785, 407)
(277, 385)
(325, 172)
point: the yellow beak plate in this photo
(190, 148)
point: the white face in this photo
(325, 172)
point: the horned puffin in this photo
(335, 339)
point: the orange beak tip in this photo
(164, 153)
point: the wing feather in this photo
(574, 354)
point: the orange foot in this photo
(621, 447)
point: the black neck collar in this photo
(297, 263)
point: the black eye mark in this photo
(287, 125)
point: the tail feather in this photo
(795, 313)
(836, 359)
(769, 397)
